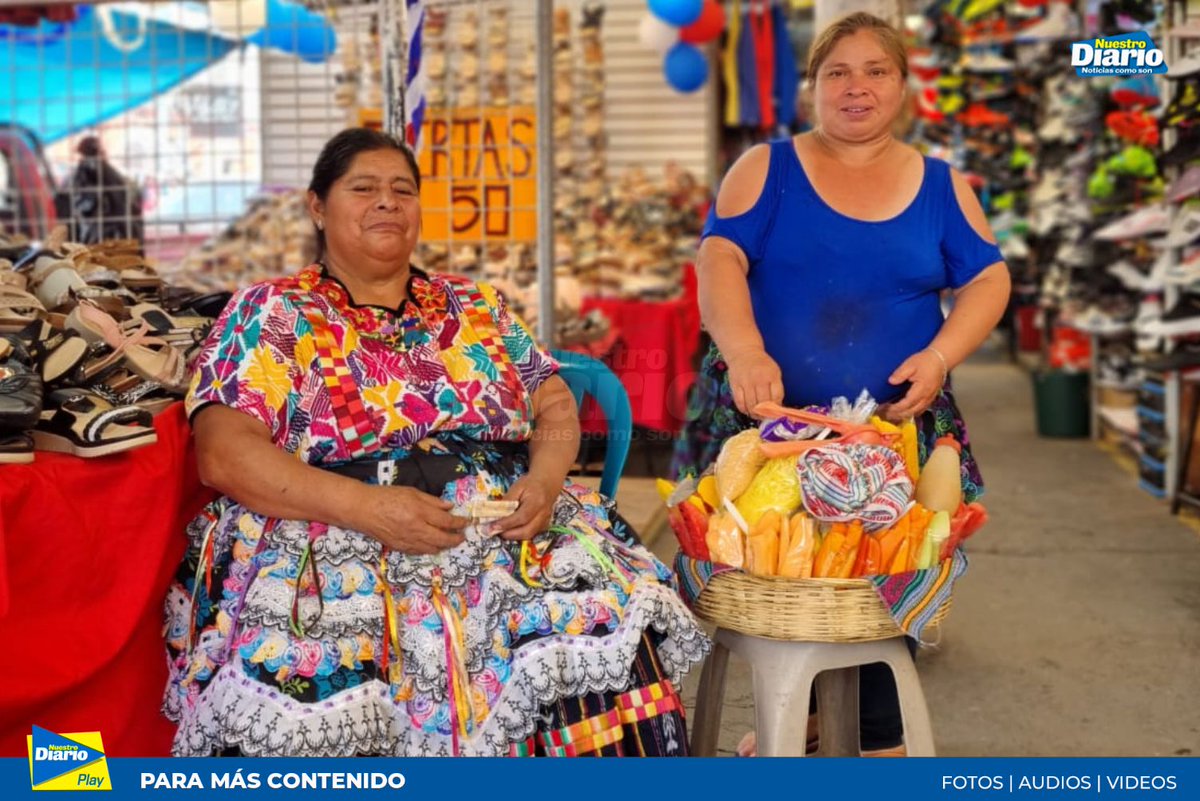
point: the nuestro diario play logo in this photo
(67, 761)
(1127, 54)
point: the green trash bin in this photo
(1063, 402)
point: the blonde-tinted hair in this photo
(889, 38)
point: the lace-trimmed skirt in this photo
(573, 644)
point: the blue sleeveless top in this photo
(841, 302)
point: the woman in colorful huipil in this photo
(356, 591)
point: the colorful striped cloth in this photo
(842, 482)
(911, 598)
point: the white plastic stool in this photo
(783, 677)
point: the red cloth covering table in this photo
(87, 548)
(653, 355)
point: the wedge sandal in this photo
(87, 425)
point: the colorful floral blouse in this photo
(427, 367)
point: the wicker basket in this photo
(820, 610)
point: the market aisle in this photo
(1077, 629)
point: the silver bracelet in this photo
(945, 366)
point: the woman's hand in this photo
(754, 377)
(925, 372)
(536, 496)
(410, 521)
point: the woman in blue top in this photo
(821, 270)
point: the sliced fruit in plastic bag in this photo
(725, 540)
(776, 486)
(737, 464)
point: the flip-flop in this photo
(85, 424)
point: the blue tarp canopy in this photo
(58, 78)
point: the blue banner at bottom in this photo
(544, 779)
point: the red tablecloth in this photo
(653, 354)
(87, 548)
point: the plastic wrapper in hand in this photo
(859, 412)
(737, 463)
(776, 487)
(782, 429)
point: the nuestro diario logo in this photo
(67, 761)
(1127, 54)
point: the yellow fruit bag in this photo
(737, 463)
(774, 487)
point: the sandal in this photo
(16, 447)
(18, 309)
(85, 424)
(150, 357)
(54, 353)
(20, 396)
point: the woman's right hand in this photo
(754, 377)
(410, 521)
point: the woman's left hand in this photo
(536, 496)
(925, 373)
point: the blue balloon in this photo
(294, 29)
(677, 12)
(685, 67)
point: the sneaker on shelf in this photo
(1049, 189)
(1094, 320)
(1183, 271)
(1186, 354)
(1129, 276)
(1136, 91)
(1145, 221)
(1059, 23)
(1075, 254)
(1185, 149)
(1182, 318)
(1185, 67)
(1136, 127)
(1185, 229)
(1149, 311)
(987, 61)
(1185, 185)
(1134, 160)
(978, 115)
(1014, 248)
(1156, 279)
(1184, 107)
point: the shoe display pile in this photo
(93, 343)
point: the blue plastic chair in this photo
(588, 376)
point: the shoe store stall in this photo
(1090, 184)
(154, 157)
